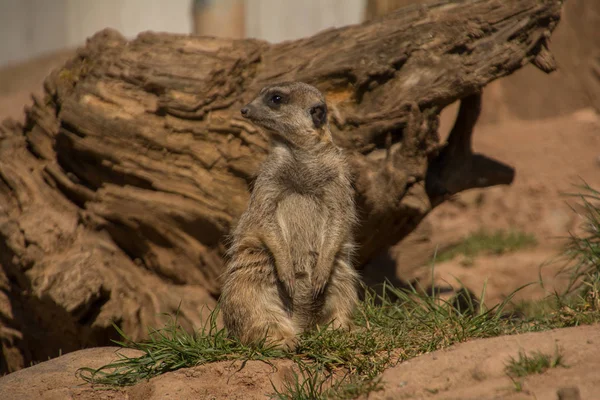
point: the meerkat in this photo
(290, 261)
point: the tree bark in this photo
(117, 194)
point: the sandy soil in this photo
(475, 370)
(551, 157)
(472, 370)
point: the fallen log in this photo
(118, 192)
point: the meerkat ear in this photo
(319, 114)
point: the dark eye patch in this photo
(275, 99)
(318, 112)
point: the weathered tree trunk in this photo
(118, 193)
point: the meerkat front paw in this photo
(288, 281)
(319, 281)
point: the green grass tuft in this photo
(483, 242)
(171, 348)
(583, 251)
(330, 363)
(536, 363)
(307, 384)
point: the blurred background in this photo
(30, 28)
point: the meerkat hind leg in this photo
(253, 310)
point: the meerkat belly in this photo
(302, 222)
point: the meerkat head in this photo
(293, 112)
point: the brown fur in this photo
(290, 261)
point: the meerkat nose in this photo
(245, 111)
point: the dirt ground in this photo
(551, 157)
(472, 370)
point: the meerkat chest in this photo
(302, 220)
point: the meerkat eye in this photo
(276, 99)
